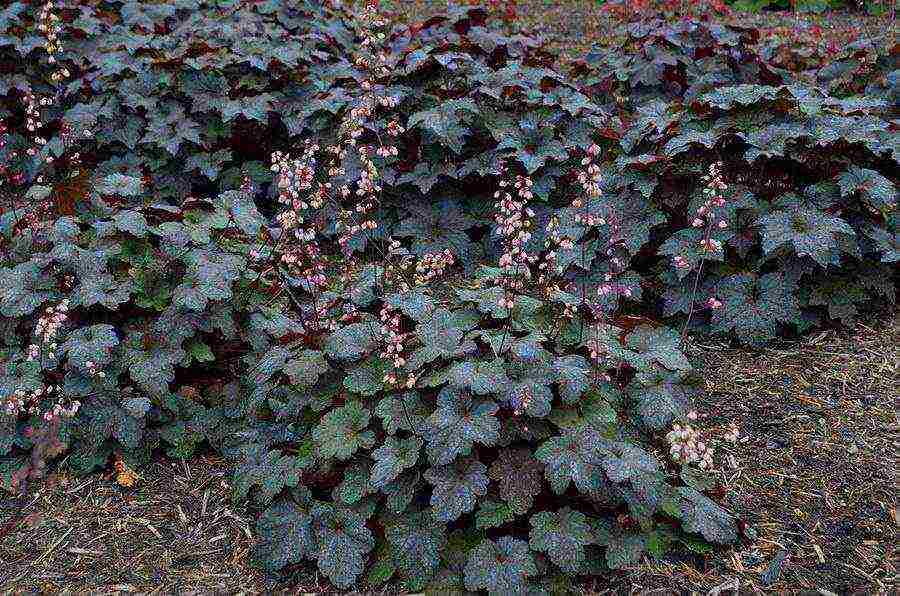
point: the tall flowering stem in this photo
(710, 216)
(306, 184)
(357, 205)
(514, 220)
(585, 209)
(297, 250)
(43, 350)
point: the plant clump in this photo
(422, 283)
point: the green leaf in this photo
(500, 567)
(444, 121)
(353, 341)
(368, 378)
(726, 97)
(90, 344)
(625, 550)
(435, 227)
(661, 345)
(120, 184)
(753, 306)
(95, 284)
(701, 515)
(562, 535)
(13, 471)
(285, 536)
(210, 276)
(404, 412)
(242, 208)
(440, 338)
(626, 462)
(573, 457)
(132, 222)
(875, 189)
(811, 233)
(23, 289)
(573, 376)
(342, 432)
(344, 541)
(269, 471)
(153, 368)
(415, 304)
(305, 369)
(416, 542)
(660, 397)
(519, 477)
(492, 514)
(200, 352)
(478, 376)
(457, 486)
(459, 422)
(487, 299)
(688, 244)
(355, 484)
(392, 458)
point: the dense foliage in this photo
(411, 278)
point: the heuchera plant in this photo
(386, 269)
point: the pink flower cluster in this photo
(432, 265)
(549, 270)
(318, 179)
(46, 329)
(22, 400)
(59, 410)
(93, 370)
(525, 397)
(302, 256)
(398, 262)
(394, 346)
(514, 223)
(295, 178)
(686, 446)
(49, 27)
(33, 120)
(590, 178)
(356, 217)
(733, 434)
(709, 215)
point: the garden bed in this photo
(416, 382)
(815, 481)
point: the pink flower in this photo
(710, 245)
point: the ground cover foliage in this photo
(425, 285)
